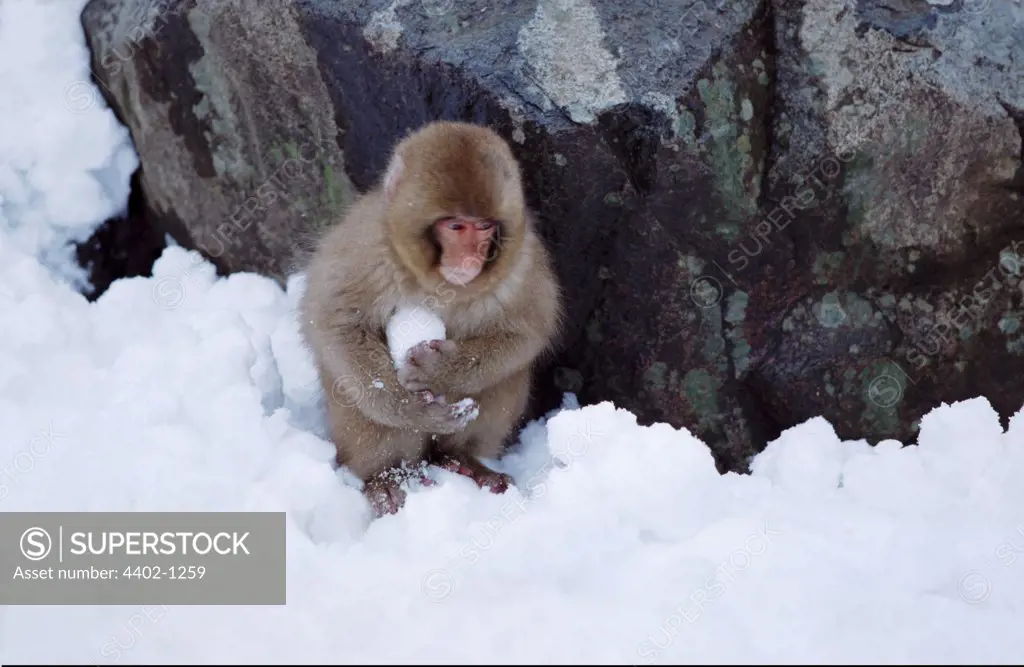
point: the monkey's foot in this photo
(384, 491)
(496, 482)
(384, 496)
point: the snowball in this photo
(409, 326)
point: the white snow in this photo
(621, 543)
(65, 160)
(410, 325)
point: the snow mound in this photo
(65, 160)
(620, 543)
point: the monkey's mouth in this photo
(462, 275)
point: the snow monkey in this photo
(445, 229)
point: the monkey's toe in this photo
(485, 478)
(385, 498)
(496, 482)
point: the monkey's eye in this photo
(455, 225)
(484, 226)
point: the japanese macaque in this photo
(445, 229)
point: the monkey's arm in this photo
(363, 377)
(469, 366)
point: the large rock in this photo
(899, 124)
(759, 212)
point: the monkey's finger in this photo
(416, 354)
(428, 353)
(443, 346)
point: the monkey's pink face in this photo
(465, 245)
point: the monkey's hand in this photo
(469, 366)
(425, 364)
(435, 415)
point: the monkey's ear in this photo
(393, 175)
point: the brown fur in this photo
(380, 255)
